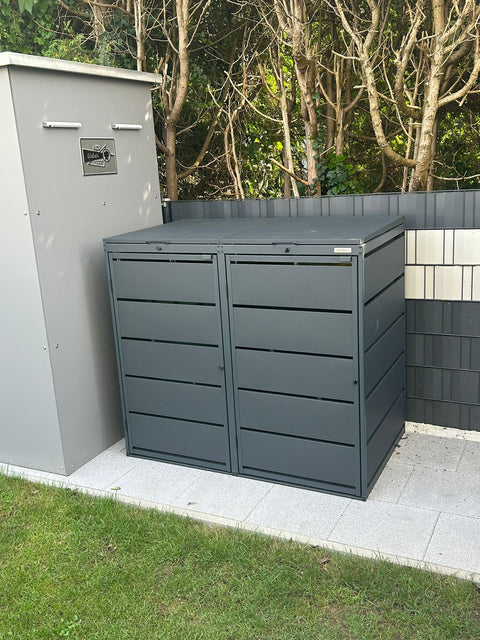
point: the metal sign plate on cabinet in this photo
(98, 156)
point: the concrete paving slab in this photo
(429, 451)
(470, 460)
(455, 492)
(223, 495)
(386, 528)
(104, 470)
(157, 481)
(455, 543)
(391, 482)
(299, 511)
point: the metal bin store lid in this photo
(9, 59)
(302, 230)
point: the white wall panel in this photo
(467, 246)
(476, 284)
(414, 282)
(430, 246)
(448, 283)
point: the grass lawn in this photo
(73, 566)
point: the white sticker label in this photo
(342, 250)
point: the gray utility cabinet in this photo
(269, 348)
(78, 163)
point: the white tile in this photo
(415, 282)
(391, 481)
(223, 495)
(429, 282)
(455, 543)
(448, 283)
(467, 246)
(104, 470)
(448, 246)
(467, 283)
(299, 511)
(385, 527)
(158, 481)
(476, 284)
(410, 249)
(430, 246)
(423, 450)
(444, 490)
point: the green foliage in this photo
(73, 48)
(78, 567)
(26, 5)
(36, 27)
(262, 178)
(458, 141)
(334, 173)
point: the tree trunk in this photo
(293, 19)
(330, 112)
(140, 33)
(285, 106)
(434, 150)
(180, 83)
(171, 161)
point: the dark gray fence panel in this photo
(435, 210)
(443, 363)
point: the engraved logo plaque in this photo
(98, 156)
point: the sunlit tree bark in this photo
(436, 62)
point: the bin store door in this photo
(171, 356)
(294, 352)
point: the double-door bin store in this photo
(267, 348)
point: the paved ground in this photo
(423, 511)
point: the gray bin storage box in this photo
(269, 348)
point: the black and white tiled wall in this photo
(442, 291)
(442, 264)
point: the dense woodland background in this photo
(269, 98)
